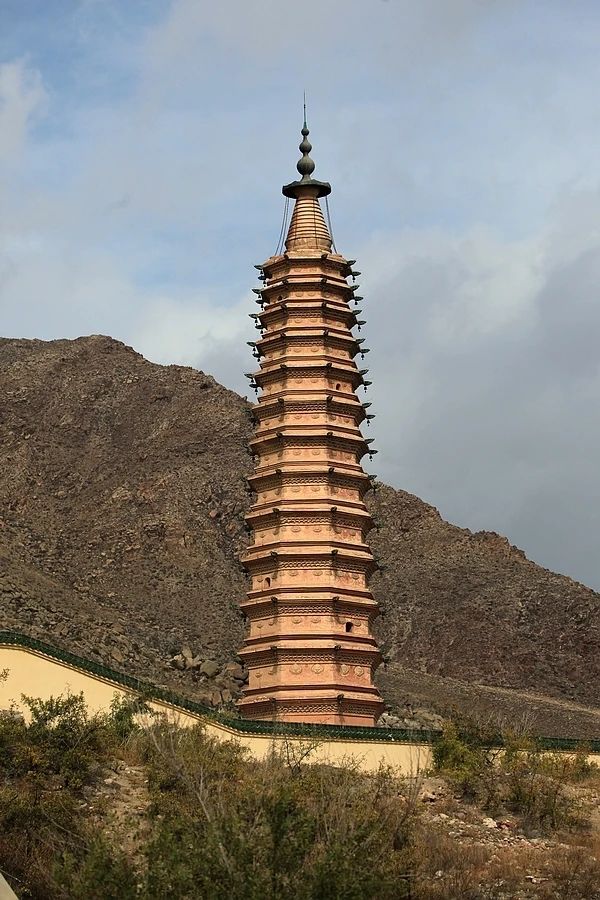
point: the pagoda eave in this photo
(337, 552)
(289, 595)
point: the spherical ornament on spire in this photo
(305, 147)
(305, 165)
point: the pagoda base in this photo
(314, 710)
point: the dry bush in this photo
(511, 773)
(449, 869)
(46, 767)
(445, 869)
(573, 873)
(275, 829)
(222, 825)
(570, 768)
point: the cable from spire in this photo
(329, 223)
(284, 222)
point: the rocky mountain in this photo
(122, 495)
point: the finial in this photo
(305, 165)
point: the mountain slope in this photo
(122, 494)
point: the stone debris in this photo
(209, 667)
(415, 719)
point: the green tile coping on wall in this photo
(249, 726)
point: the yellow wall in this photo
(5, 891)
(36, 675)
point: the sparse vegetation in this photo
(47, 765)
(206, 821)
(510, 773)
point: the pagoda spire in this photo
(310, 649)
(307, 227)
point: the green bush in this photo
(274, 829)
(104, 873)
(511, 773)
(45, 765)
(468, 757)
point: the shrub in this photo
(466, 755)
(45, 765)
(517, 776)
(104, 873)
(214, 823)
(536, 788)
(275, 829)
(574, 875)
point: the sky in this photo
(143, 145)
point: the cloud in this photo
(486, 371)
(199, 333)
(22, 96)
(143, 147)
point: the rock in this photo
(410, 725)
(215, 698)
(178, 661)
(187, 653)
(231, 689)
(413, 722)
(489, 823)
(387, 720)
(236, 671)
(209, 668)
(226, 696)
(117, 655)
(195, 663)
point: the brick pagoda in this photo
(310, 650)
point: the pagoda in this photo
(310, 649)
